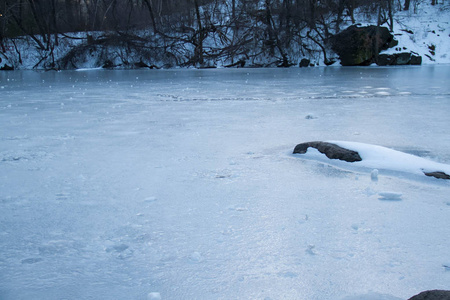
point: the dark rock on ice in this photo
(398, 59)
(331, 150)
(416, 60)
(432, 295)
(304, 63)
(438, 174)
(385, 60)
(358, 46)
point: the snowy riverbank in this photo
(423, 30)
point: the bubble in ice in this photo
(154, 296)
(29, 261)
(150, 199)
(196, 257)
(117, 248)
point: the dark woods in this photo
(192, 32)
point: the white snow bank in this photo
(382, 158)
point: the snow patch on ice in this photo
(382, 93)
(154, 296)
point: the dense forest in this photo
(187, 32)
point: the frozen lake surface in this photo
(180, 184)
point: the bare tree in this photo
(406, 4)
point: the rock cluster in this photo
(397, 59)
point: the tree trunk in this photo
(351, 10)
(312, 13)
(2, 27)
(152, 15)
(406, 6)
(391, 16)
(69, 15)
(54, 22)
(233, 9)
(38, 20)
(200, 35)
(339, 15)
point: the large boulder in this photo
(358, 46)
(331, 150)
(432, 295)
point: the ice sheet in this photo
(181, 184)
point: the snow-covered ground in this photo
(180, 184)
(424, 30)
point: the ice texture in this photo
(180, 184)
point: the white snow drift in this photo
(380, 158)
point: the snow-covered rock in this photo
(372, 157)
